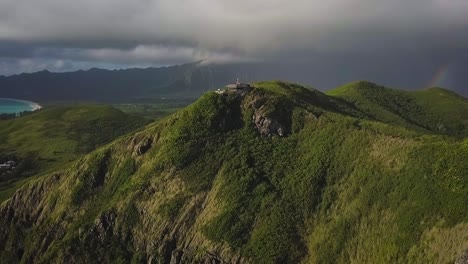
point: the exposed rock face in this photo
(178, 238)
(25, 209)
(141, 146)
(104, 225)
(267, 126)
(463, 259)
(144, 146)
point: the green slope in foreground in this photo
(339, 186)
(55, 136)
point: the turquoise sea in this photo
(11, 106)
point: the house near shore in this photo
(8, 165)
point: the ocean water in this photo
(11, 106)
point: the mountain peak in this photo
(266, 177)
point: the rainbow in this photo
(440, 76)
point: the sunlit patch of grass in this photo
(441, 244)
(391, 152)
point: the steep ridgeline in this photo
(282, 175)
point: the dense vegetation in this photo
(364, 176)
(433, 109)
(55, 136)
(153, 109)
(6, 116)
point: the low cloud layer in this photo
(67, 35)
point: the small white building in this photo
(7, 165)
(237, 85)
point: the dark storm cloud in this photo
(157, 32)
(250, 27)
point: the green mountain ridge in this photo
(434, 109)
(285, 174)
(56, 136)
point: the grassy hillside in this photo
(50, 138)
(436, 110)
(153, 109)
(217, 182)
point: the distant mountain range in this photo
(188, 80)
(193, 79)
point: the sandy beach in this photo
(35, 106)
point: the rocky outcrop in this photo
(263, 121)
(463, 259)
(104, 225)
(142, 144)
(267, 126)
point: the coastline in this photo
(33, 105)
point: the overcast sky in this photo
(63, 35)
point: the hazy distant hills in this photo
(193, 79)
(286, 174)
(98, 84)
(188, 80)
